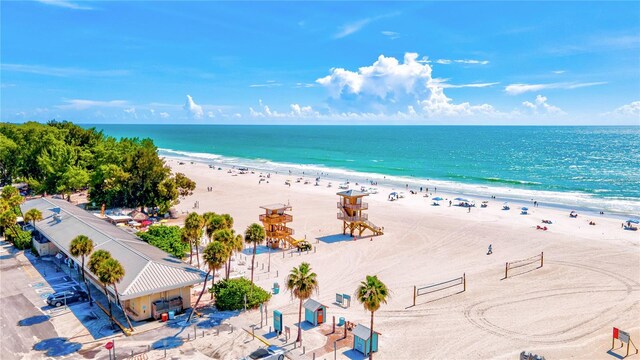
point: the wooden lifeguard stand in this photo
(351, 213)
(275, 220)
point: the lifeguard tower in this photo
(275, 220)
(351, 213)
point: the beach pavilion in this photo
(152, 278)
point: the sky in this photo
(476, 63)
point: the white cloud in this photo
(390, 82)
(268, 84)
(472, 85)
(210, 115)
(516, 89)
(83, 104)
(296, 111)
(304, 85)
(558, 72)
(541, 105)
(194, 110)
(353, 27)
(131, 111)
(387, 77)
(631, 109)
(61, 71)
(462, 61)
(65, 4)
(164, 115)
(391, 34)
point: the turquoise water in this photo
(596, 167)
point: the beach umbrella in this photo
(437, 198)
(461, 199)
(524, 208)
(633, 221)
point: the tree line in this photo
(62, 158)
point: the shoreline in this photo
(395, 183)
(587, 269)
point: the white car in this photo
(270, 353)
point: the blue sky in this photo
(321, 62)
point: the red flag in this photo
(615, 333)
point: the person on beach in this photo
(490, 250)
(449, 203)
(469, 209)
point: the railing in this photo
(268, 218)
(280, 230)
(362, 206)
(346, 217)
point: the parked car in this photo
(270, 353)
(67, 297)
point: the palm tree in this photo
(111, 272)
(371, 294)
(193, 225)
(226, 237)
(33, 215)
(81, 245)
(302, 282)
(96, 261)
(214, 255)
(254, 235)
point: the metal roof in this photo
(352, 193)
(148, 269)
(363, 332)
(312, 305)
(276, 206)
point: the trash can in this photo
(341, 322)
(164, 317)
(172, 315)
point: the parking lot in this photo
(30, 326)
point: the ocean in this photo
(596, 168)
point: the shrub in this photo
(22, 240)
(166, 238)
(230, 294)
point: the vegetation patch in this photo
(230, 294)
(166, 238)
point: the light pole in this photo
(269, 264)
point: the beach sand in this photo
(590, 281)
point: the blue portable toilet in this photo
(277, 321)
(315, 312)
(362, 341)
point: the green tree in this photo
(166, 238)
(82, 246)
(371, 294)
(214, 256)
(33, 215)
(302, 283)
(184, 185)
(254, 234)
(8, 220)
(193, 227)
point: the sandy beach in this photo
(590, 281)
